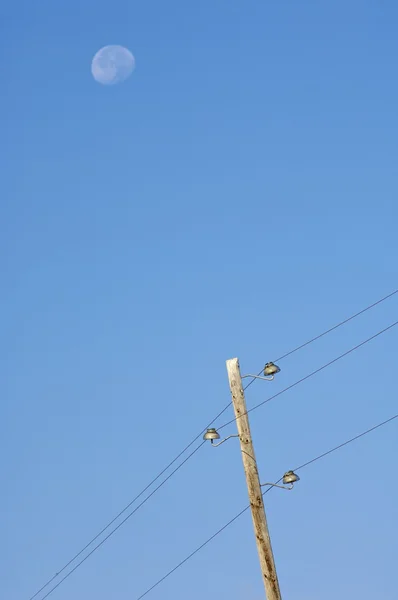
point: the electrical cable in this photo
(328, 364)
(353, 439)
(236, 517)
(121, 523)
(200, 445)
(141, 493)
(317, 337)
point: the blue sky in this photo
(236, 196)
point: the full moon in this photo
(112, 64)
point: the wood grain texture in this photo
(263, 540)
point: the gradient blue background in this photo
(236, 196)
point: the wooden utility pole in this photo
(263, 540)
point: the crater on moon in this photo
(112, 64)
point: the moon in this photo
(112, 64)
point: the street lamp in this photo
(212, 434)
(289, 479)
(270, 370)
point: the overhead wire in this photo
(328, 364)
(141, 493)
(236, 517)
(106, 527)
(190, 444)
(353, 439)
(69, 573)
(198, 447)
(317, 337)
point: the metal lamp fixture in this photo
(271, 369)
(212, 434)
(289, 479)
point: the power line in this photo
(236, 517)
(197, 448)
(331, 362)
(320, 335)
(127, 507)
(121, 523)
(191, 443)
(317, 337)
(210, 539)
(357, 437)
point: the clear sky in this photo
(236, 196)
